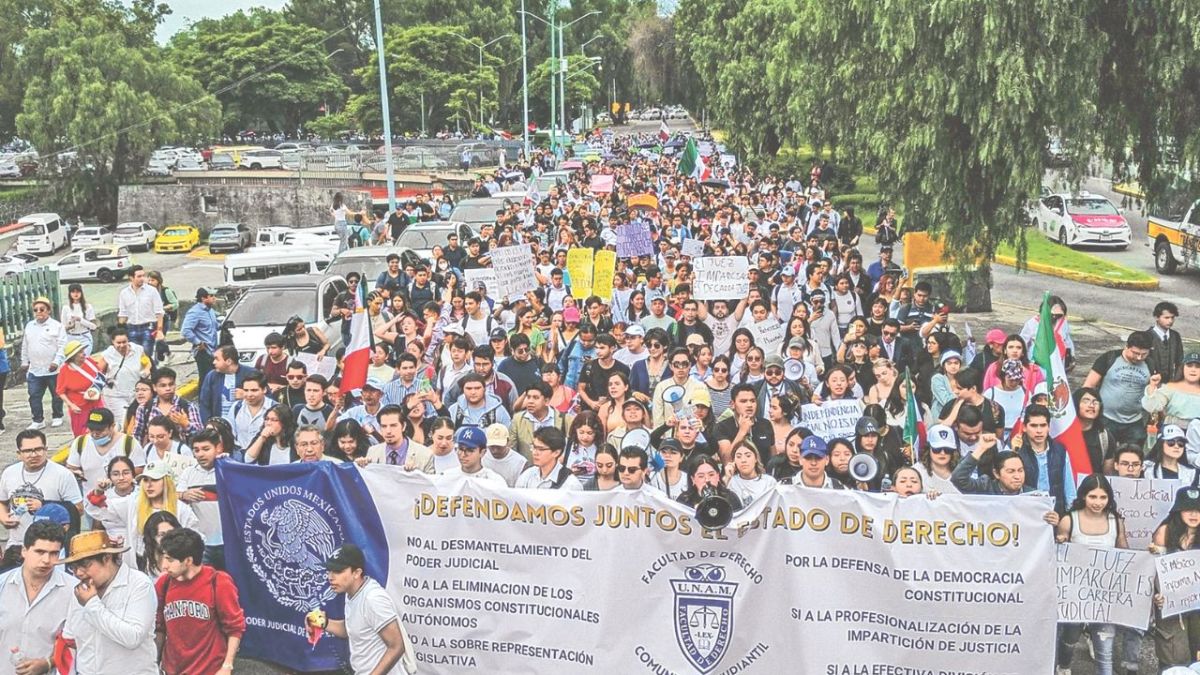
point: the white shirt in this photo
(119, 516)
(123, 372)
(95, 464)
(139, 307)
(114, 633)
(208, 517)
(931, 481)
(369, 611)
(509, 468)
(178, 459)
(31, 626)
(629, 358)
(672, 490)
(84, 318)
(446, 462)
(53, 482)
(483, 474)
(531, 478)
(246, 423)
(750, 489)
(41, 345)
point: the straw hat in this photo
(90, 544)
(72, 348)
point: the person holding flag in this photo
(358, 348)
(1049, 353)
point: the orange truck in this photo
(1176, 240)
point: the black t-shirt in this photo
(762, 435)
(596, 376)
(523, 373)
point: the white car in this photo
(261, 159)
(10, 266)
(90, 236)
(138, 236)
(190, 163)
(9, 169)
(102, 263)
(1083, 219)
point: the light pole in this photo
(387, 115)
(525, 71)
(562, 78)
(480, 47)
(524, 85)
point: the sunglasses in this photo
(629, 469)
(1177, 441)
(681, 364)
(941, 451)
(720, 370)
(774, 371)
(654, 345)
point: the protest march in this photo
(807, 465)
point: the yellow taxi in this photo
(178, 238)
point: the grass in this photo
(1042, 250)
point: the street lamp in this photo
(562, 78)
(588, 43)
(480, 47)
(385, 110)
(554, 67)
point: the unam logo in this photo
(290, 532)
(704, 614)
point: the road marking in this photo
(203, 254)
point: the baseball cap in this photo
(694, 340)
(54, 513)
(813, 295)
(471, 437)
(1172, 432)
(866, 426)
(497, 434)
(202, 293)
(157, 471)
(1192, 357)
(995, 335)
(773, 360)
(670, 445)
(656, 297)
(100, 419)
(499, 334)
(700, 397)
(788, 271)
(635, 329)
(951, 355)
(942, 436)
(453, 329)
(373, 383)
(345, 557)
(798, 342)
(634, 402)
(814, 446)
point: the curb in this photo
(186, 390)
(1081, 277)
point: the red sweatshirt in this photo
(197, 617)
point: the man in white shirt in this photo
(140, 310)
(470, 445)
(502, 459)
(34, 600)
(478, 321)
(548, 472)
(42, 353)
(635, 346)
(378, 643)
(28, 484)
(90, 453)
(247, 414)
(113, 621)
(200, 494)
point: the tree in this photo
(581, 86)
(261, 66)
(109, 99)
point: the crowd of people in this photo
(646, 388)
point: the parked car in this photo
(1176, 239)
(9, 169)
(422, 237)
(43, 233)
(478, 211)
(1084, 219)
(90, 236)
(270, 303)
(175, 238)
(222, 162)
(230, 238)
(190, 164)
(10, 266)
(102, 263)
(137, 236)
(157, 168)
(261, 159)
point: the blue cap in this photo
(814, 446)
(471, 437)
(55, 513)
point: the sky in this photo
(187, 11)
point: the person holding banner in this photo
(1177, 638)
(1092, 520)
(548, 472)
(1007, 478)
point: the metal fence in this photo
(17, 293)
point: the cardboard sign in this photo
(601, 183)
(832, 419)
(721, 278)
(514, 270)
(483, 280)
(1144, 503)
(693, 248)
(633, 239)
(1179, 582)
(602, 276)
(579, 267)
(1104, 585)
(768, 335)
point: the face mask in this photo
(101, 442)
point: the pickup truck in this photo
(1176, 241)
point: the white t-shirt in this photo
(930, 481)
(532, 478)
(177, 459)
(478, 329)
(509, 468)
(444, 463)
(280, 454)
(1011, 401)
(52, 482)
(95, 464)
(483, 474)
(749, 490)
(208, 517)
(369, 611)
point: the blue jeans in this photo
(38, 384)
(1130, 640)
(1102, 643)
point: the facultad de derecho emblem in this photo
(289, 532)
(704, 614)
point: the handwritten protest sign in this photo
(602, 277)
(1179, 582)
(1144, 503)
(768, 334)
(722, 278)
(831, 419)
(579, 267)
(1104, 585)
(483, 278)
(601, 184)
(693, 248)
(514, 270)
(325, 367)
(633, 239)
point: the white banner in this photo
(768, 335)
(1144, 503)
(1104, 585)
(483, 277)
(805, 581)
(832, 419)
(1179, 582)
(721, 278)
(325, 366)
(692, 248)
(513, 266)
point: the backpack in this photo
(467, 318)
(80, 440)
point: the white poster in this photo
(804, 581)
(484, 278)
(693, 248)
(768, 335)
(1179, 582)
(513, 267)
(721, 278)
(1144, 503)
(832, 419)
(324, 367)
(1104, 585)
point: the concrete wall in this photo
(253, 205)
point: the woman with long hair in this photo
(941, 383)
(348, 441)
(274, 442)
(342, 217)
(840, 453)
(938, 460)
(886, 391)
(1177, 638)
(416, 425)
(704, 473)
(301, 339)
(746, 476)
(719, 385)
(619, 391)
(1178, 402)
(781, 413)
(739, 347)
(1014, 348)
(637, 309)
(583, 439)
(836, 387)
(1101, 446)
(1168, 458)
(562, 397)
(784, 466)
(78, 317)
(158, 524)
(754, 370)
(605, 477)
(125, 517)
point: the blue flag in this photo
(280, 524)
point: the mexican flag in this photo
(664, 132)
(1048, 352)
(914, 426)
(358, 351)
(690, 162)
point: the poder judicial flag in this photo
(543, 581)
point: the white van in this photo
(246, 269)
(44, 233)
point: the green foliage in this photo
(261, 66)
(111, 99)
(581, 86)
(331, 126)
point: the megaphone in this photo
(636, 438)
(713, 512)
(793, 369)
(673, 396)
(864, 468)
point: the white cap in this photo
(942, 436)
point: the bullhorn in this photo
(713, 512)
(864, 468)
(673, 396)
(793, 369)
